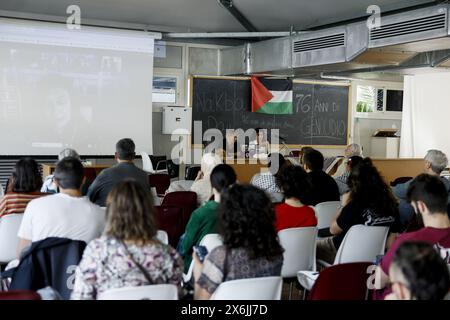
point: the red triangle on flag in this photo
(260, 94)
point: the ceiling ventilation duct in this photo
(349, 48)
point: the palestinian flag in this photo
(271, 96)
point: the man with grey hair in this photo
(435, 162)
(49, 186)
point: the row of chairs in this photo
(358, 250)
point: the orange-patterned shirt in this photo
(17, 202)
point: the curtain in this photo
(426, 114)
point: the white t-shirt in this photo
(63, 216)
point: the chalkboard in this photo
(320, 111)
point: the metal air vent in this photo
(408, 27)
(331, 41)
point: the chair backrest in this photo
(161, 181)
(362, 244)
(170, 219)
(346, 281)
(173, 169)
(400, 180)
(211, 241)
(299, 246)
(151, 292)
(50, 262)
(162, 236)
(19, 295)
(159, 162)
(147, 163)
(264, 288)
(325, 213)
(191, 172)
(9, 226)
(184, 199)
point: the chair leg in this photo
(290, 290)
(304, 294)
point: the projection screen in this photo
(83, 89)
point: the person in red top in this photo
(26, 181)
(294, 183)
(428, 196)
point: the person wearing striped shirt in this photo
(26, 182)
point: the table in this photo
(390, 169)
(246, 169)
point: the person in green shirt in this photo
(203, 221)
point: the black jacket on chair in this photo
(49, 262)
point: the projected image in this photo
(71, 97)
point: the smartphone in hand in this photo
(201, 252)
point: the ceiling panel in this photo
(208, 15)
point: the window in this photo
(366, 99)
(394, 100)
(371, 99)
(164, 90)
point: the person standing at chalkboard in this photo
(259, 147)
(230, 145)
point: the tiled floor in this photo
(296, 294)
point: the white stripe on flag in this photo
(281, 96)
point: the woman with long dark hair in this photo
(370, 202)
(250, 245)
(24, 186)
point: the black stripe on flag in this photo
(277, 84)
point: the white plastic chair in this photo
(151, 292)
(326, 212)
(210, 241)
(360, 244)
(9, 226)
(147, 164)
(299, 246)
(264, 288)
(162, 236)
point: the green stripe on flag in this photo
(277, 108)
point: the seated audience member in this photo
(204, 220)
(125, 169)
(428, 197)
(293, 213)
(435, 162)
(128, 254)
(417, 272)
(250, 245)
(65, 214)
(303, 150)
(49, 185)
(351, 150)
(25, 183)
(370, 202)
(267, 181)
(324, 188)
(202, 184)
(342, 180)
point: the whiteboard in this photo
(83, 89)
